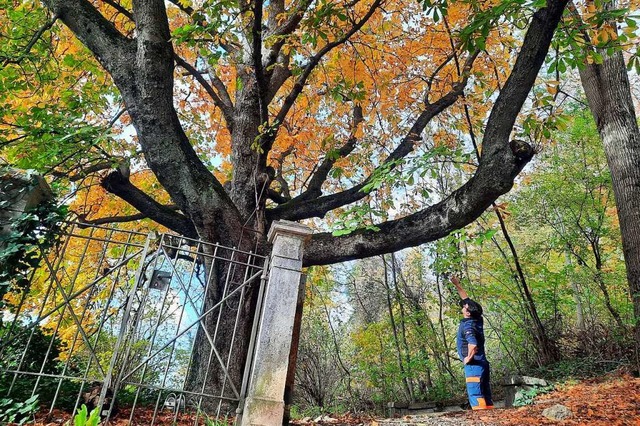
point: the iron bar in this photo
(128, 311)
(184, 331)
(139, 315)
(40, 318)
(75, 319)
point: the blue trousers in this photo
(477, 375)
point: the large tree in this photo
(604, 77)
(255, 69)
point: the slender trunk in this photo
(546, 348)
(403, 320)
(416, 314)
(396, 340)
(576, 295)
(445, 341)
(603, 286)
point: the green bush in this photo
(526, 397)
(17, 412)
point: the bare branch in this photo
(112, 219)
(306, 208)
(222, 102)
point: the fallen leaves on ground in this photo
(611, 400)
(142, 416)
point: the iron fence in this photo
(119, 319)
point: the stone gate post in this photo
(264, 404)
(19, 191)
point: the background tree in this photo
(599, 46)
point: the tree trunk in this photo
(608, 93)
(595, 248)
(546, 348)
(396, 340)
(576, 295)
(228, 326)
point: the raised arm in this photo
(456, 282)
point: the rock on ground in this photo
(557, 412)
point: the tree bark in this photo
(608, 93)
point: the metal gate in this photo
(118, 320)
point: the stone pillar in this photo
(265, 400)
(19, 191)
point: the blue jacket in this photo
(471, 331)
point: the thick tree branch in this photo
(143, 69)
(575, 14)
(118, 7)
(500, 164)
(276, 65)
(120, 186)
(285, 193)
(220, 87)
(186, 9)
(113, 50)
(83, 171)
(276, 197)
(314, 189)
(256, 50)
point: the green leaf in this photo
(81, 418)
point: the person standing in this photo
(470, 344)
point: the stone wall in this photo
(19, 191)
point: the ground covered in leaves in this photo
(610, 400)
(613, 399)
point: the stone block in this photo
(19, 191)
(515, 384)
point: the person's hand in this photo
(467, 359)
(455, 280)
